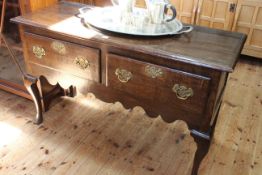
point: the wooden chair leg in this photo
(30, 83)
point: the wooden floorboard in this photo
(236, 137)
(86, 136)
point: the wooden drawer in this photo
(188, 92)
(74, 59)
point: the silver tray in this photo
(107, 19)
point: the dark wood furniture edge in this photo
(203, 140)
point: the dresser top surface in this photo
(216, 49)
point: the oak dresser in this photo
(178, 77)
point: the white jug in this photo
(158, 9)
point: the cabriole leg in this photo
(30, 83)
(203, 142)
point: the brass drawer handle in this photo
(58, 47)
(82, 63)
(38, 51)
(153, 71)
(182, 92)
(123, 75)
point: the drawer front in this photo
(177, 89)
(71, 58)
(54, 76)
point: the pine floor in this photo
(87, 136)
